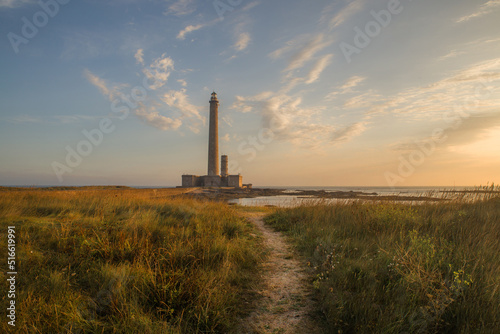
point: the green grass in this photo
(126, 261)
(398, 268)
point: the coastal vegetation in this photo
(123, 260)
(105, 260)
(386, 267)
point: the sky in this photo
(313, 93)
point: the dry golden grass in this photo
(101, 260)
(398, 268)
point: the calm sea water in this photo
(291, 200)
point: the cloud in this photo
(469, 131)
(451, 54)
(66, 119)
(182, 34)
(226, 137)
(287, 118)
(139, 56)
(159, 71)
(158, 99)
(179, 99)
(484, 9)
(347, 87)
(341, 16)
(473, 128)
(182, 82)
(14, 3)
(347, 133)
(110, 93)
(250, 6)
(24, 119)
(307, 52)
(153, 117)
(352, 82)
(318, 68)
(469, 89)
(181, 7)
(242, 42)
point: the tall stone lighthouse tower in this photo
(213, 137)
(214, 179)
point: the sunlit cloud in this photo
(242, 42)
(472, 86)
(150, 110)
(190, 28)
(307, 52)
(180, 100)
(347, 87)
(347, 133)
(335, 20)
(181, 7)
(484, 9)
(159, 71)
(318, 68)
(139, 56)
(109, 92)
(153, 117)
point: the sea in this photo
(294, 200)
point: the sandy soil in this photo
(286, 305)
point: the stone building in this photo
(214, 178)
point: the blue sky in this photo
(347, 93)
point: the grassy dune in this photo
(396, 268)
(126, 261)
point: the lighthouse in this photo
(213, 177)
(213, 137)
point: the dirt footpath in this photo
(286, 305)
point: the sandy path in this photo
(286, 303)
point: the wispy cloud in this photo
(471, 130)
(307, 51)
(14, 3)
(109, 92)
(250, 6)
(347, 87)
(318, 68)
(347, 133)
(451, 54)
(139, 56)
(226, 137)
(335, 20)
(470, 88)
(242, 42)
(180, 100)
(153, 117)
(24, 119)
(352, 82)
(190, 28)
(159, 98)
(159, 71)
(484, 9)
(181, 7)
